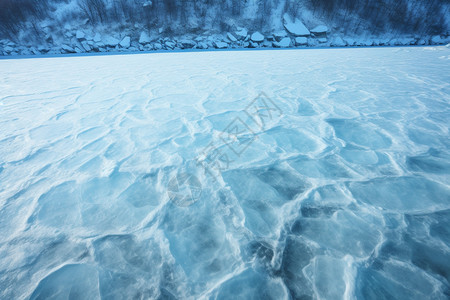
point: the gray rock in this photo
(80, 35)
(110, 41)
(43, 49)
(126, 42)
(220, 45)
(257, 37)
(35, 51)
(86, 46)
(8, 49)
(25, 52)
(284, 43)
(338, 42)
(295, 27)
(170, 45)
(241, 33)
(231, 37)
(267, 44)
(300, 41)
(279, 35)
(437, 40)
(187, 44)
(350, 41)
(321, 29)
(97, 38)
(67, 48)
(144, 39)
(202, 45)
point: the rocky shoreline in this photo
(294, 35)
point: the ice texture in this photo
(119, 178)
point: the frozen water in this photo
(164, 175)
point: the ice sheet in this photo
(165, 176)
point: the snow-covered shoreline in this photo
(294, 35)
(88, 45)
(113, 53)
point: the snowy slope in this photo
(335, 186)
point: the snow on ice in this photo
(122, 176)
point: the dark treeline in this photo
(183, 16)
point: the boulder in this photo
(241, 33)
(322, 40)
(296, 27)
(406, 41)
(67, 48)
(321, 29)
(187, 44)
(220, 45)
(8, 49)
(202, 45)
(126, 42)
(43, 49)
(86, 46)
(35, 51)
(280, 34)
(436, 40)
(257, 37)
(170, 45)
(300, 41)
(80, 35)
(144, 38)
(97, 38)
(110, 41)
(267, 43)
(231, 37)
(284, 43)
(350, 41)
(338, 42)
(25, 52)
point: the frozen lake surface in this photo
(256, 174)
